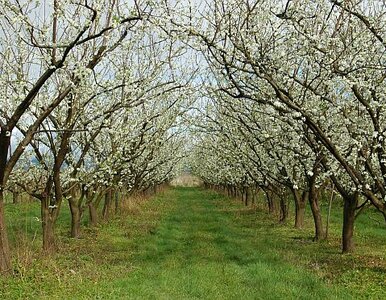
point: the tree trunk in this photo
(271, 202)
(350, 205)
(329, 212)
(106, 212)
(93, 214)
(5, 255)
(283, 209)
(75, 217)
(116, 201)
(314, 203)
(240, 194)
(15, 197)
(253, 196)
(300, 207)
(48, 223)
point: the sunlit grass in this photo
(188, 243)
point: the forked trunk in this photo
(300, 207)
(271, 202)
(350, 205)
(93, 204)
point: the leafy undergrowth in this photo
(188, 243)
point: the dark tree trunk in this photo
(300, 207)
(5, 256)
(15, 197)
(240, 193)
(271, 202)
(283, 209)
(106, 212)
(350, 205)
(317, 216)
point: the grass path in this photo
(186, 243)
(208, 247)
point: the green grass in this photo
(208, 248)
(189, 243)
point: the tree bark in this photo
(5, 255)
(350, 205)
(271, 202)
(300, 207)
(329, 212)
(317, 216)
(93, 214)
(253, 196)
(75, 216)
(283, 209)
(106, 212)
(15, 197)
(246, 199)
(48, 222)
(116, 201)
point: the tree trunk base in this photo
(5, 256)
(350, 205)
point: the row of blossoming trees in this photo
(91, 94)
(297, 102)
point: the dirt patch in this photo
(186, 180)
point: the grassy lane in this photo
(183, 244)
(210, 248)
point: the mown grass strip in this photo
(210, 248)
(187, 243)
